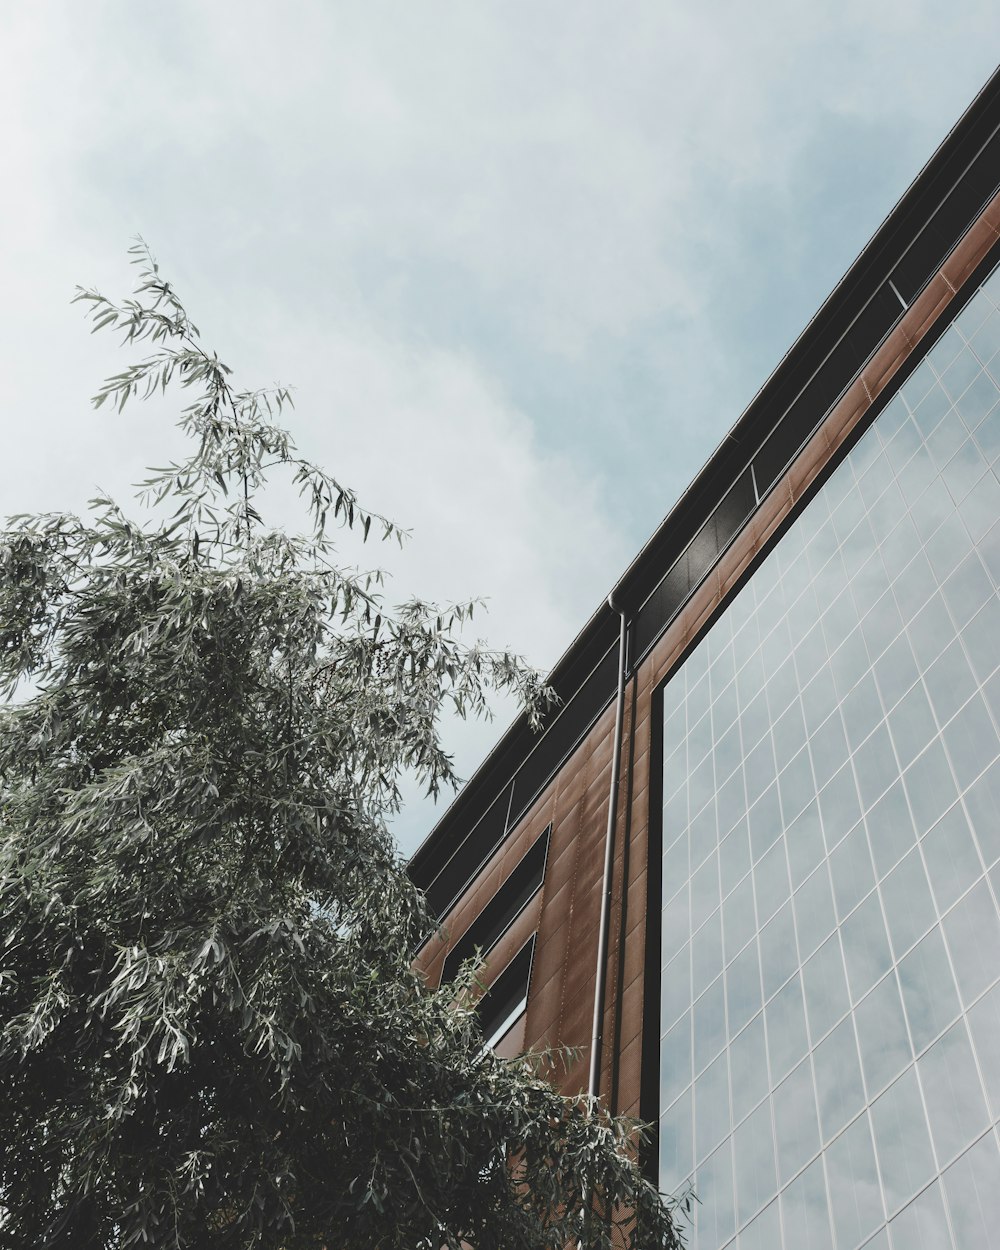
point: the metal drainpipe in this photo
(609, 850)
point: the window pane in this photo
(838, 1079)
(909, 909)
(795, 1125)
(675, 987)
(825, 988)
(676, 1148)
(839, 805)
(885, 1044)
(748, 1060)
(738, 918)
(953, 862)
(743, 988)
(675, 1061)
(805, 842)
(972, 741)
(982, 801)
(786, 1030)
(984, 1023)
(866, 948)
(706, 951)
(972, 1189)
(754, 1163)
(804, 1211)
(928, 990)
(890, 828)
(814, 914)
(714, 1214)
(734, 856)
(771, 882)
(955, 1104)
(709, 1024)
(854, 1184)
(922, 1225)
(711, 1107)
(876, 767)
(763, 1232)
(949, 682)
(973, 933)
(851, 869)
(901, 1141)
(930, 787)
(778, 958)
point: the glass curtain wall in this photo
(830, 1049)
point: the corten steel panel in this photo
(567, 911)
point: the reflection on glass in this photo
(814, 915)
(971, 740)
(763, 1232)
(825, 988)
(901, 1141)
(734, 856)
(875, 767)
(885, 1044)
(956, 1108)
(982, 802)
(675, 1060)
(771, 882)
(706, 953)
(984, 1024)
(805, 1214)
(805, 843)
(854, 1184)
(795, 1125)
(866, 948)
(709, 1024)
(972, 930)
(786, 1029)
(851, 869)
(909, 910)
(711, 1106)
(972, 1190)
(953, 862)
(949, 682)
(748, 1058)
(715, 1214)
(929, 994)
(778, 957)
(831, 800)
(753, 1153)
(890, 828)
(922, 1225)
(675, 987)
(930, 787)
(676, 1148)
(838, 1079)
(743, 988)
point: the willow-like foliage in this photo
(210, 1032)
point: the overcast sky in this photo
(525, 263)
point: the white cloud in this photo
(409, 210)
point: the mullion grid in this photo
(746, 629)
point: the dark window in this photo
(507, 997)
(503, 908)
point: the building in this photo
(783, 948)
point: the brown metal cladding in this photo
(567, 909)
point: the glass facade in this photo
(830, 1033)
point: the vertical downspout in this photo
(596, 1038)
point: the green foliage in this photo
(210, 1032)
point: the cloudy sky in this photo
(525, 263)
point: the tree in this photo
(211, 1032)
